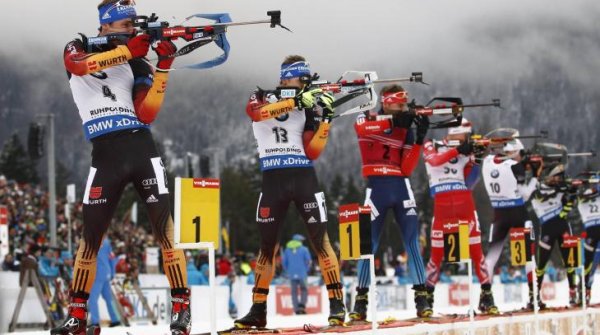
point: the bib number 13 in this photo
(280, 134)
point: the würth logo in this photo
(265, 212)
(95, 192)
(92, 65)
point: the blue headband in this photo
(294, 70)
(115, 11)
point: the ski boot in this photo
(422, 301)
(486, 300)
(181, 318)
(588, 295)
(541, 304)
(257, 317)
(359, 312)
(93, 330)
(430, 293)
(76, 321)
(337, 312)
(574, 297)
(301, 309)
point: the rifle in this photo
(160, 30)
(197, 35)
(590, 153)
(453, 106)
(485, 141)
(350, 85)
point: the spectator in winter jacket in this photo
(105, 272)
(296, 263)
(48, 264)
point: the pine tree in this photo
(239, 192)
(15, 162)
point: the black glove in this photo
(465, 148)
(479, 151)
(402, 120)
(422, 123)
(520, 172)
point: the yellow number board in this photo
(197, 212)
(349, 232)
(573, 245)
(519, 246)
(456, 241)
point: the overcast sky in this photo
(490, 41)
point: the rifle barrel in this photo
(393, 80)
(245, 23)
(574, 154)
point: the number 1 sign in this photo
(197, 212)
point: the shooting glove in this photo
(465, 148)
(422, 123)
(306, 98)
(166, 54)
(138, 46)
(479, 151)
(567, 208)
(326, 100)
(402, 120)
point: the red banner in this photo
(284, 300)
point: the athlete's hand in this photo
(480, 151)
(166, 54)
(567, 208)
(326, 100)
(422, 123)
(465, 148)
(306, 99)
(402, 120)
(138, 46)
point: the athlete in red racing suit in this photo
(452, 171)
(390, 152)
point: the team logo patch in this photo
(264, 212)
(311, 205)
(92, 65)
(95, 192)
(495, 173)
(454, 160)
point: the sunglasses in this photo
(396, 97)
